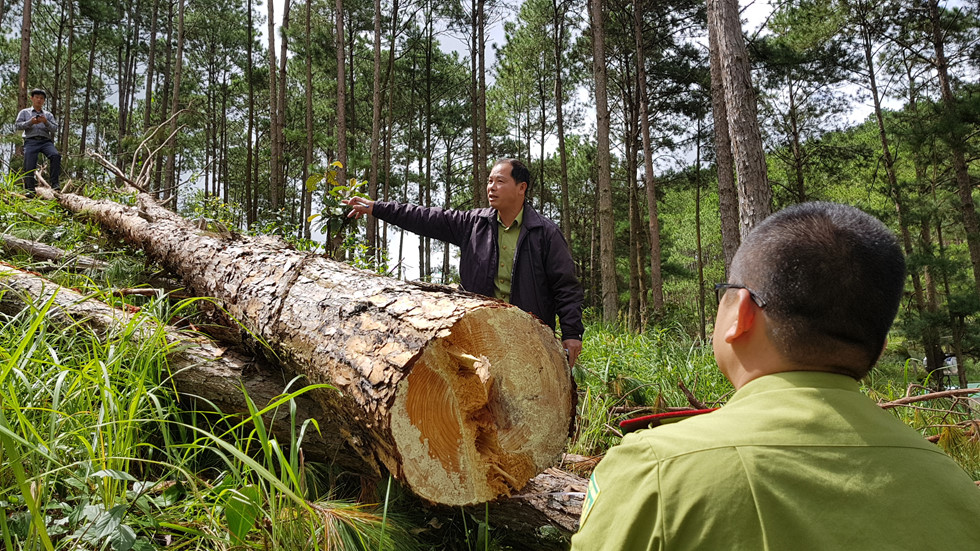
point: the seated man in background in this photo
(799, 457)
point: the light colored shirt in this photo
(794, 461)
(45, 130)
(506, 249)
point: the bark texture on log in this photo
(41, 251)
(461, 397)
(210, 378)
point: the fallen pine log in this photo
(209, 377)
(463, 398)
(546, 511)
(42, 251)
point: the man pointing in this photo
(508, 251)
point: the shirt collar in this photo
(517, 221)
(796, 379)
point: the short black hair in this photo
(518, 171)
(38, 91)
(832, 278)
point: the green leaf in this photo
(169, 496)
(114, 474)
(108, 521)
(312, 182)
(123, 538)
(241, 511)
(142, 544)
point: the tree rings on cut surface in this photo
(484, 409)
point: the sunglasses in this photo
(721, 288)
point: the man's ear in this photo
(745, 317)
(519, 184)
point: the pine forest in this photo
(658, 133)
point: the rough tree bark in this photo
(731, 236)
(41, 251)
(754, 193)
(210, 377)
(607, 225)
(435, 384)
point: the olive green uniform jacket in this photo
(798, 461)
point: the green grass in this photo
(619, 372)
(96, 453)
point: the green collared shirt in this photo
(801, 461)
(506, 247)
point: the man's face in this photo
(503, 192)
(37, 100)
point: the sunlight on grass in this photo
(621, 374)
(96, 454)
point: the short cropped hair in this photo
(518, 171)
(832, 278)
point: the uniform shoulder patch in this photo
(590, 496)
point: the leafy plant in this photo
(334, 192)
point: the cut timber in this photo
(542, 517)
(208, 377)
(461, 397)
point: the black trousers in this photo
(32, 147)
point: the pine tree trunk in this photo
(480, 200)
(649, 182)
(341, 92)
(462, 397)
(274, 120)
(250, 206)
(88, 98)
(280, 133)
(607, 223)
(755, 195)
(307, 207)
(171, 173)
(25, 60)
(69, 91)
(964, 185)
(376, 102)
(559, 12)
(150, 65)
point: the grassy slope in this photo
(95, 451)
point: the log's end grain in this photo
(484, 409)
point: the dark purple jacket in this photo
(543, 282)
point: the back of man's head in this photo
(831, 277)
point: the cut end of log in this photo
(483, 409)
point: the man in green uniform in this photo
(799, 458)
